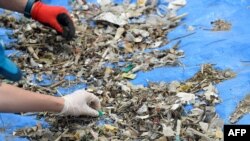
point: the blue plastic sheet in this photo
(225, 49)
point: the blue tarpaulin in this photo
(225, 49)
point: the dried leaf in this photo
(110, 128)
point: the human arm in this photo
(14, 99)
(13, 5)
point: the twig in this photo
(178, 17)
(197, 85)
(177, 38)
(57, 84)
(32, 52)
(198, 133)
(77, 58)
(59, 138)
(178, 128)
(59, 64)
(42, 88)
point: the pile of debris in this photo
(164, 111)
(99, 42)
(112, 43)
(242, 109)
(221, 25)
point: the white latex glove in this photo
(81, 102)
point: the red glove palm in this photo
(54, 16)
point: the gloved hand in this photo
(81, 102)
(54, 16)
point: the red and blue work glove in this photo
(56, 17)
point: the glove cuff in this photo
(28, 7)
(65, 107)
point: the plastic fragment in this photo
(112, 18)
(186, 97)
(100, 113)
(167, 131)
(142, 117)
(129, 75)
(177, 138)
(128, 68)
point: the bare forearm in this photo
(14, 99)
(13, 5)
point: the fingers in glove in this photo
(90, 111)
(68, 29)
(94, 102)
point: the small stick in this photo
(32, 52)
(177, 38)
(178, 17)
(57, 84)
(59, 138)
